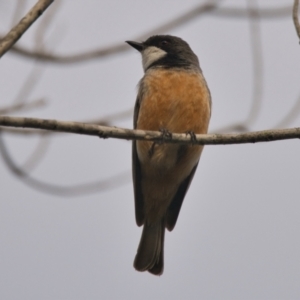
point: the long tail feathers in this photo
(150, 253)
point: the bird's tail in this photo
(150, 253)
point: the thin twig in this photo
(16, 32)
(22, 106)
(232, 128)
(290, 116)
(45, 22)
(257, 57)
(146, 135)
(37, 71)
(28, 86)
(257, 90)
(109, 119)
(37, 154)
(20, 5)
(241, 13)
(295, 17)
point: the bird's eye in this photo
(164, 43)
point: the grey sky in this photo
(237, 236)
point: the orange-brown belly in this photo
(179, 102)
(176, 101)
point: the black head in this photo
(166, 51)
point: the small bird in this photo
(172, 97)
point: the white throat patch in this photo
(150, 55)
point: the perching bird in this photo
(173, 97)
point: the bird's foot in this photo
(165, 134)
(193, 136)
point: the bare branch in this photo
(256, 48)
(208, 7)
(257, 57)
(16, 32)
(290, 116)
(22, 106)
(20, 5)
(265, 13)
(236, 127)
(44, 25)
(105, 121)
(146, 135)
(37, 154)
(295, 17)
(60, 190)
(118, 48)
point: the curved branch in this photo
(291, 115)
(208, 7)
(118, 48)
(60, 190)
(16, 32)
(38, 154)
(295, 17)
(257, 58)
(146, 135)
(22, 106)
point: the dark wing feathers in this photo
(137, 174)
(176, 203)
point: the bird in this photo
(173, 97)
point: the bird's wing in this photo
(136, 171)
(174, 208)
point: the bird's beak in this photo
(138, 46)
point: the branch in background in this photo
(81, 189)
(295, 17)
(264, 13)
(28, 86)
(109, 119)
(20, 6)
(37, 154)
(290, 116)
(183, 19)
(37, 71)
(203, 9)
(257, 57)
(45, 22)
(22, 106)
(59, 190)
(237, 127)
(16, 32)
(257, 73)
(118, 48)
(155, 136)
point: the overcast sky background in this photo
(238, 233)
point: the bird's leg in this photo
(193, 136)
(165, 134)
(151, 150)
